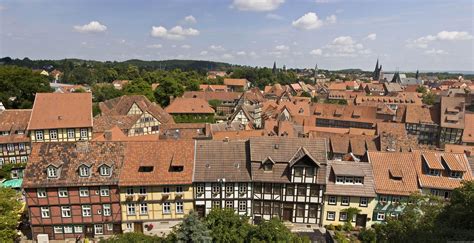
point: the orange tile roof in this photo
(337, 86)
(55, 110)
(386, 166)
(209, 95)
(189, 106)
(237, 135)
(161, 155)
(468, 134)
(236, 82)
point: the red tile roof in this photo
(236, 82)
(189, 106)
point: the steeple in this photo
(316, 71)
(376, 74)
(274, 70)
(417, 75)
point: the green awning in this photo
(13, 183)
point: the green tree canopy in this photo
(168, 87)
(192, 229)
(139, 87)
(227, 226)
(9, 214)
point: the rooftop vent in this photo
(145, 169)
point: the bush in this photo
(330, 227)
(338, 227)
(367, 236)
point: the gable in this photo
(134, 110)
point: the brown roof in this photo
(422, 114)
(104, 123)
(337, 86)
(361, 169)
(237, 135)
(56, 110)
(208, 95)
(368, 114)
(386, 165)
(218, 160)
(236, 82)
(68, 157)
(452, 160)
(189, 106)
(160, 155)
(468, 134)
(448, 118)
(14, 121)
(212, 87)
(185, 131)
(120, 106)
(116, 134)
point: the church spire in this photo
(274, 70)
(376, 74)
(417, 75)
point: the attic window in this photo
(276, 146)
(176, 168)
(145, 169)
(52, 172)
(105, 170)
(268, 166)
(84, 171)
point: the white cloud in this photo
(216, 48)
(444, 35)
(203, 53)
(186, 46)
(282, 48)
(435, 52)
(343, 40)
(257, 5)
(92, 27)
(241, 53)
(345, 46)
(175, 33)
(2, 7)
(227, 56)
(274, 16)
(253, 54)
(155, 46)
(308, 21)
(332, 19)
(454, 35)
(371, 36)
(190, 19)
(316, 52)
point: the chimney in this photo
(108, 135)
(171, 98)
(226, 139)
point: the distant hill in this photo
(147, 65)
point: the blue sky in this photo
(335, 34)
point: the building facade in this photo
(15, 144)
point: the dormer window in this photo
(145, 169)
(455, 174)
(176, 168)
(84, 171)
(105, 170)
(52, 172)
(268, 166)
(434, 172)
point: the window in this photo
(300, 210)
(349, 179)
(142, 190)
(455, 174)
(39, 135)
(200, 188)
(340, 179)
(242, 188)
(216, 204)
(83, 133)
(106, 210)
(10, 147)
(105, 170)
(62, 192)
(86, 210)
(53, 134)
(52, 172)
(395, 199)
(331, 216)
(83, 192)
(58, 229)
(301, 190)
(131, 209)
(104, 191)
(314, 190)
(143, 208)
(342, 216)
(267, 208)
(358, 180)
(383, 199)
(313, 211)
(145, 169)
(434, 172)
(84, 171)
(309, 172)
(110, 227)
(363, 202)
(24, 159)
(298, 171)
(267, 188)
(70, 133)
(290, 190)
(129, 226)
(179, 189)
(21, 146)
(68, 229)
(332, 200)
(242, 206)
(257, 207)
(12, 160)
(345, 201)
(129, 191)
(166, 190)
(380, 216)
(229, 204)
(41, 192)
(66, 211)
(268, 166)
(77, 228)
(215, 188)
(45, 212)
(98, 229)
(167, 207)
(1, 161)
(276, 209)
(229, 188)
(179, 207)
(257, 188)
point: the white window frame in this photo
(380, 216)
(41, 193)
(332, 202)
(53, 134)
(39, 135)
(58, 229)
(62, 192)
(242, 206)
(364, 202)
(129, 191)
(200, 188)
(216, 188)
(110, 227)
(166, 190)
(179, 207)
(45, 213)
(98, 229)
(52, 172)
(104, 191)
(166, 207)
(86, 210)
(24, 159)
(342, 216)
(345, 201)
(131, 209)
(84, 133)
(21, 146)
(358, 180)
(84, 171)
(434, 172)
(383, 199)
(179, 189)
(10, 147)
(68, 229)
(229, 204)
(142, 190)
(83, 191)
(129, 226)
(69, 130)
(106, 209)
(65, 211)
(242, 188)
(105, 170)
(143, 208)
(216, 204)
(331, 216)
(12, 160)
(78, 229)
(229, 189)
(455, 174)
(339, 179)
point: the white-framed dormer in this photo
(267, 164)
(84, 170)
(303, 166)
(105, 170)
(52, 171)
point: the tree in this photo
(18, 86)
(139, 87)
(168, 87)
(9, 214)
(227, 226)
(133, 238)
(272, 230)
(133, 72)
(192, 229)
(421, 89)
(105, 92)
(351, 212)
(428, 98)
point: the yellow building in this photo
(349, 184)
(156, 187)
(61, 117)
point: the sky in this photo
(334, 34)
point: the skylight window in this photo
(145, 169)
